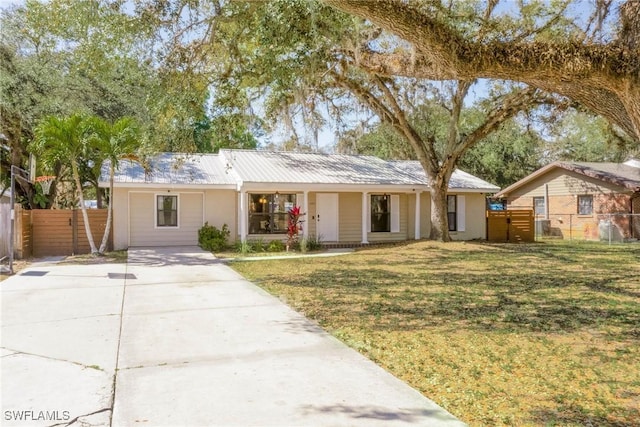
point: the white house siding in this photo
(350, 217)
(475, 220)
(404, 224)
(142, 221)
(220, 207)
(120, 226)
(310, 217)
(425, 214)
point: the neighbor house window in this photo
(167, 211)
(585, 205)
(451, 213)
(538, 207)
(380, 213)
(269, 213)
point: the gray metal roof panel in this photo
(172, 168)
(313, 168)
(460, 180)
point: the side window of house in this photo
(585, 205)
(451, 213)
(268, 213)
(167, 211)
(380, 213)
(539, 207)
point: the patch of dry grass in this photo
(115, 257)
(538, 334)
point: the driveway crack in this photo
(74, 420)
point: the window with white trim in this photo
(167, 211)
(269, 213)
(385, 213)
(380, 213)
(456, 212)
(451, 213)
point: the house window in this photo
(167, 211)
(380, 213)
(268, 213)
(585, 205)
(451, 213)
(538, 207)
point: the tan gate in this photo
(62, 232)
(511, 226)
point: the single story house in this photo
(346, 199)
(578, 198)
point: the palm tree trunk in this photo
(85, 217)
(107, 229)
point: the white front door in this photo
(327, 216)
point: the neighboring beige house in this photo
(346, 199)
(577, 198)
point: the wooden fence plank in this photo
(511, 226)
(61, 232)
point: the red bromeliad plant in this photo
(294, 225)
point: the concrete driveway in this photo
(176, 338)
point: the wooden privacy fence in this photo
(51, 232)
(511, 226)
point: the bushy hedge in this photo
(212, 239)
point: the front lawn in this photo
(535, 334)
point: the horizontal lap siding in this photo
(142, 221)
(404, 221)
(220, 209)
(350, 217)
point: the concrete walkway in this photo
(176, 338)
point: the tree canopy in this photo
(594, 61)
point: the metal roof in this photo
(232, 167)
(313, 168)
(460, 180)
(172, 168)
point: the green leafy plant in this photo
(275, 246)
(244, 247)
(210, 238)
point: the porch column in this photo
(242, 215)
(417, 219)
(305, 209)
(365, 217)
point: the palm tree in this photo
(114, 142)
(65, 140)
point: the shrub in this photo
(258, 245)
(244, 247)
(311, 243)
(275, 246)
(212, 239)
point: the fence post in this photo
(610, 224)
(570, 226)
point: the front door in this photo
(327, 216)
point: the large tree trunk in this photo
(439, 223)
(85, 217)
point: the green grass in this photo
(536, 334)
